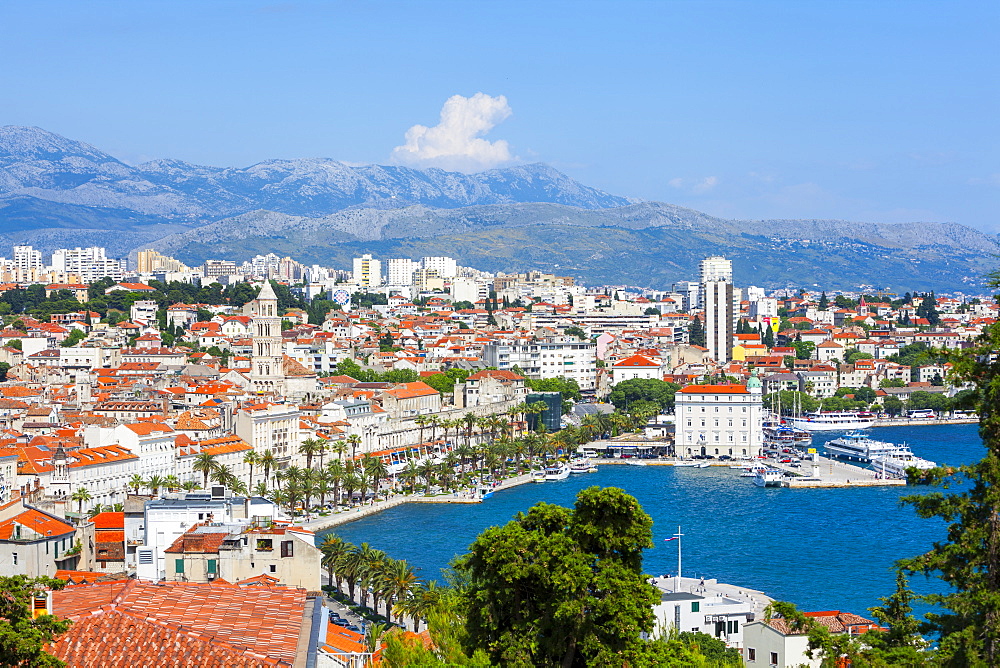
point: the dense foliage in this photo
(23, 639)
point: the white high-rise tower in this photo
(717, 298)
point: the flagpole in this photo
(677, 583)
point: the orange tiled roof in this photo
(109, 520)
(127, 624)
(36, 521)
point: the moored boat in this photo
(769, 478)
(856, 446)
(894, 464)
(832, 421)
(558, 472)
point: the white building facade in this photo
(717, 420)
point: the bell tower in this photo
(266, 372)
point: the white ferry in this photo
(833, 421)
(895, 463)
(559, 472)
(856, 446)
(582, 466)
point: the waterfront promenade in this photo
(359, 512)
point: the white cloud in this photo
(456, 142)
(696, 186)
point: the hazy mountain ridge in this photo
(58, 192)
(44, 165)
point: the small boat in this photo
(559, 472)
(635, 462)
(769, 478)
(702, 465)
(580, 466)
(686, 464)
(538, 476)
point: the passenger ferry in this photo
(894, 464)
(784, 436)
(833, 421)
(856, 446)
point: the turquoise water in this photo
(822, 549)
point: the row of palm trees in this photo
(391, 583)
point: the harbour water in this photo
(821, 549)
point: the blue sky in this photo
(879, 110)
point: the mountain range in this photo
(56, 192)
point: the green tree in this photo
(696, 333)
(23, 638)
(713, 649)
(562, 587)
(968, 624)
(892, 405)
(569, 388)
(74, 338)
(824, 302)
(630, 391)
(4, 368)
(577, 332)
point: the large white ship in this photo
(834, 421)
(856, 446)
(895, 463)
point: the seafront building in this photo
(717, 420)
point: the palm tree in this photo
(373, 636)
(354, 441)
(268, 461)
(351, 483)
(469, 420)
(189, 485)
(335, 474)
(172, 482)
(363, 557)
(81, 495)
(205, 464)
(339, 447)
(260, 489)
(421, 421)
(136, 482)
(411, 473)
(373, 578)
(434, 421)
(154, 483)
(400, 580)
(251, 458)
(376, 470)
(310, 448)
(422, 599)
(333, 549)
(427, 470)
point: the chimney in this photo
(194, 542)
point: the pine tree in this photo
(969, 559)
(824, 303)
(696, 333)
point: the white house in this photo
(716, 420)
(773, 643)
(636, 366)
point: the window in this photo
(213, 565)
(751, 654)
(264, 545)
(178, 565)
(14, 557)
(286, 548)
(774, 658)
(695, 606)
(274, 569)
